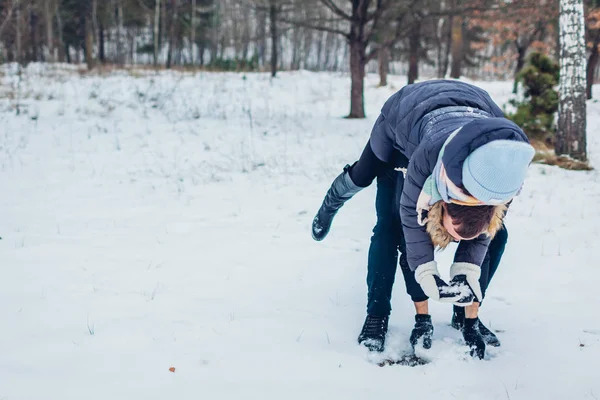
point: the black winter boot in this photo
(423, 329)
(341, 190)
(473, 338)
(458, 322)
(489, 337)
(458, 318)
(373, 333)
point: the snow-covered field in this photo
(151, 221)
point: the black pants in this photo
(388, 240)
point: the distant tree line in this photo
(487, 39)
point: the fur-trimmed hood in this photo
(440, 236)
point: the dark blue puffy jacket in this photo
(416, 122)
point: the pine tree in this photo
(536, 113)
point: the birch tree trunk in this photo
(571, 135)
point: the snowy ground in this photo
(157, 221)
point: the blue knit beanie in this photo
(495, 172)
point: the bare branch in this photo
(9, 14)
(336, 10)
(375, 15)
(466, 10)
(390, 9)
(260, 6)
(390, 42)
(315, 26)
(144, 6)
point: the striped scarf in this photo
(438, 187)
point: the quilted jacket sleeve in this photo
(472, 251)
(419, 247)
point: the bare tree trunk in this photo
(521, 52)
(120, 52)
(457, 47)
(320, 38)
(101, 43)
(132, 48)
(163, 37)
(62, 50)
(274, 37)
(446, 62)
(296, 49)
(49, 31)
(214, 45)
(336, 60)
(233, 19)
(19, 56)
(33, 40)
(245, 39)
(94, 26)
(262, 36)
(170, 39)
(591, 66)
(384, 65)
(201, 51)
(439, 39)
(358, 57)
(193, 33)
(414, 48)
(439, 25)
(172, 33)
(307, 46)
(89, 41)
(571, 134)
(330, 50)
(357, 73)
(156, 31)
